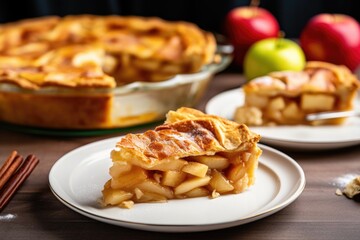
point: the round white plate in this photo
(296, 137)
(77, 179)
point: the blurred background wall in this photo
(208, 14)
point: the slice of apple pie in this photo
(191, 155)
(286, 97)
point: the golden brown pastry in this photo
(62, 73)
(100, 51)
(191, 155)
(286, 97)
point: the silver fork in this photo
(330, 115)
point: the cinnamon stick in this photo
(17, 179)
(7, 163)
(11, 169)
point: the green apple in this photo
(273, 54)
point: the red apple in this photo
(247, 25)
(332, 38)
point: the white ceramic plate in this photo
(295, 137)
(77, 179)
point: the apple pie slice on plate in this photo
(191, 155)
(286, 97)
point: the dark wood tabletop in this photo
(35, 213)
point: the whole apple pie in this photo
(286, 97)
(191, 155)
(86, 52)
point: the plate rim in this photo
(299, 187)
(239, 90)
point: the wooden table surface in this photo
(35, 213)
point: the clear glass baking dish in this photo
(93, 109)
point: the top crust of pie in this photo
(100, 51)
(317, 77)
(186, 132)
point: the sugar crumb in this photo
(338, 192)
(8, 217)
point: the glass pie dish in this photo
(137, 103)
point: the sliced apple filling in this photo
(191, 155)
(285, 98)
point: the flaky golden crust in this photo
(317, 77)
(230, 134)
(192, 134)
(100, 51)
(343, 75)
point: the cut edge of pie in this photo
(286, 97)
(191, 155)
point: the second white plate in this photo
(295, 137)
(77, 179)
